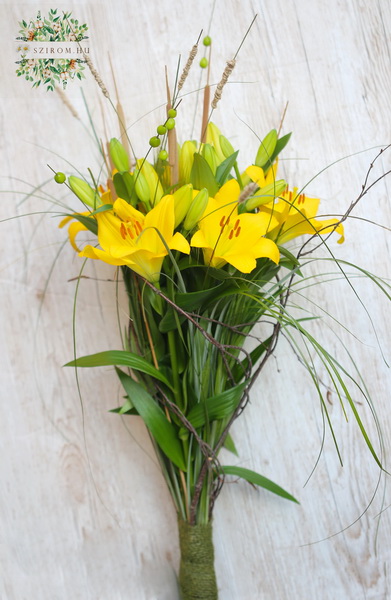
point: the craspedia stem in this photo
(224, 78)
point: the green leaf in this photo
(88, 222)
(224, 169)
(126, 409)
(289, 261)
(217, 407)
(256, 479)
(201, 175)
(193, 301)
(103, 208)
(119, 357)
(124, 186)
(154, 418)
(289, 255)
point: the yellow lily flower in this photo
(296, 214)
(227, 237)
(76, 226)
(257, 175)
(74, 229)
(128, 237)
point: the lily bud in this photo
(141, 186)
(266, 149)
(196, 209)
(266, 194)
(213, 134)
(83, 191)
(226, 146)
(186, 160)
(209, 153)
(152, 179)
(119, 155)
(182, 201)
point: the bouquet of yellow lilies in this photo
(202, 250)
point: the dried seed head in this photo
(186, 70)
(96, 75)
(224, 78)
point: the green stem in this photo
(174, 367)
(238, 176)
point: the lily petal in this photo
(179, 242)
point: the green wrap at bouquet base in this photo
(197, 578)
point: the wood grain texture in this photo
(84, 509)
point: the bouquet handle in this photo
(197, 578)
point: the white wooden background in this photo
(84, 509)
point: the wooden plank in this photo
(85, 513)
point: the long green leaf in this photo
(154, 418)
(217, 407)
(119, 357)
(257, 479)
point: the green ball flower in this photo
(59, 177)
(163, 155)
(154, 141)
(161, 129)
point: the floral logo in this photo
(41, 38)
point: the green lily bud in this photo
(209, 153)
(266, 194)
(266, 149)
(226, 146)
(141, 186)
(152, 179)
(186, 160)
(213, 134)
(119, 155)
(182, 201)
(83, 191)
(196, 209)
